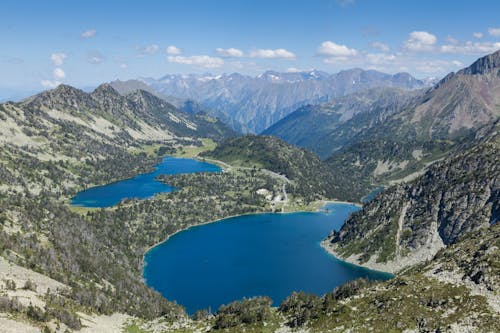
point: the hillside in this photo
(458, 103)
(64, 267)
(311, 177)
(408, 224)
(259, 102)
(309, 125)
(391, 137)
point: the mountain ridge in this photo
(258, 102)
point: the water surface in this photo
(141, 186)
(251, 255)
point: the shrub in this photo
(246, 311)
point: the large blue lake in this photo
(141, 186)
(251, 255)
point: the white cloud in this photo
(88, 33)
(452, 40)
(272, 54)
(332, 49)
(477, 35)
(123, 66)
(494, 32)
(198, 60)
(173, 50)
(293, 70)
(49, 83)
(58, 58)
(59, 73)
(380, 46)
(471, 48)
(436, 67)
(148, 49)
(336, 60)
(379, 58)
(420, 41)
(229, 53)
(95, 57)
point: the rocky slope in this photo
(258, 102)
(409, 223)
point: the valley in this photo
(96, 188)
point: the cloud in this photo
(380, 46)
(59, 73)
(419, 41)
(229, 53)
(148, 49)
(272, 54)
(88, 34)
(433, 67)
(293, 70)
(379, 58)
(332, 49)
(173, 50)
(49, 83)
(470, 47)
(477, 35)
(123, 66)
(452, 40)
(197, 60)
(494, 32)
(58, 58)
(95, 57)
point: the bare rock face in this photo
(455, 196)
(467, 99)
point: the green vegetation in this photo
(244, 312)
(457, 194)
(311, 178)
(194, 150)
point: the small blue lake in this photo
(251, 255)
(141, 186)
(372, 194)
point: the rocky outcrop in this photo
(407, 224)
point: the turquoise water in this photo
(251, 255)
(141, 186)
(372, 194)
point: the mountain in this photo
(184, 104)
(408, 223)
(385, 136)
(310, 124)
(139, 115)
(460, 102)
(57, 259)
(258, 102)
(310, 177)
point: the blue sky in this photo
(85, 43)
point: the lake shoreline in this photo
(351, 260)
(318, 210)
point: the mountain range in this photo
(435, 226)
(252, 104)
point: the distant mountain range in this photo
(459, 102)
(252, 104)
